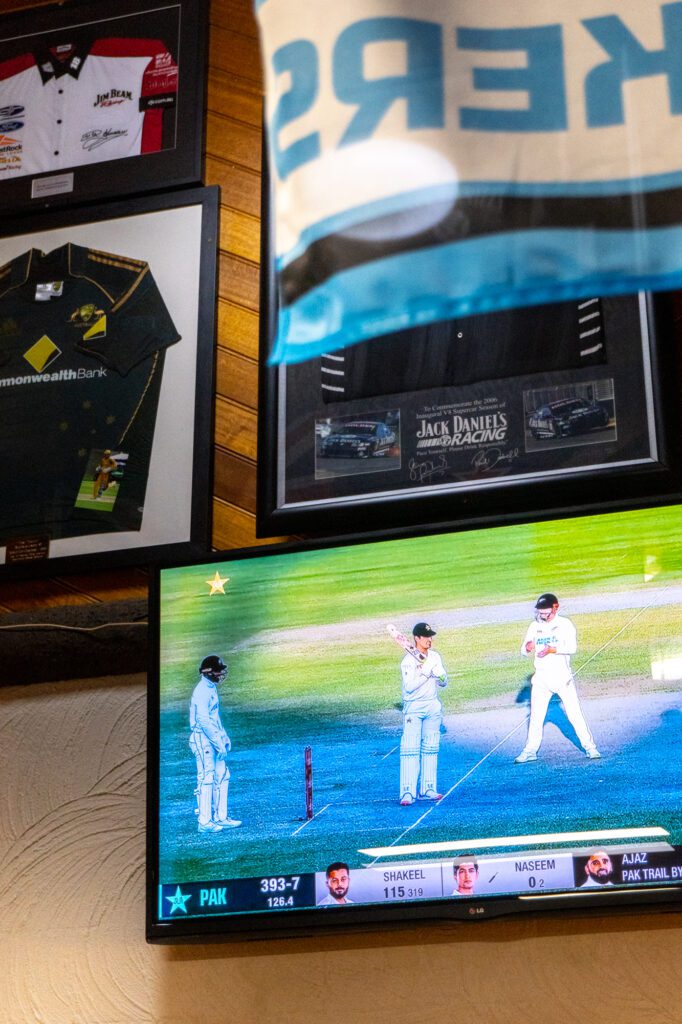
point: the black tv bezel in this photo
(309, 922)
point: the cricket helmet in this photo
(544, 605)
(214, 668)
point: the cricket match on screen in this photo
(484, 713)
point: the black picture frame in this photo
(168, 97)
(167, 246)
(637, 457)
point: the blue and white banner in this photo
(439, 160)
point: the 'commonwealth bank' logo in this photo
(42, 354)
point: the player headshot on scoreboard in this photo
(599, 870)
(337, 878)
(465, 872)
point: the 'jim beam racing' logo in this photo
(112, 98)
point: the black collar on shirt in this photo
(49, 67)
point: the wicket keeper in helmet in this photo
(210, 745)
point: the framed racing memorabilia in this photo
(96, 100)
(536, 408)
(545, 407)
(106, 341)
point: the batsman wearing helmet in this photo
(210, 745)
(423, 674)
(551, 639)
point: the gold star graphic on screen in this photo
(217, 584)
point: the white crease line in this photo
(310, 819)
(390, 752)
(458, 783)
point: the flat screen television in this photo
(447, 725)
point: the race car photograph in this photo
(567, 417)
(358, 439)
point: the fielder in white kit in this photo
(551, 639)
(210, 745)
(423, 674)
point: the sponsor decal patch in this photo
(112, 98)
(98, 330)
(42, 354)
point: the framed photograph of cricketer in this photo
(568, 406)
(98, 101)
(106, 341)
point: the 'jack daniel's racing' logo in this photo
(112, 98)
(457, 431)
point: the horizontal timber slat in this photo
(235, 428)
(240, 234)
(237, 378)
(234, 480)
(237, 54)
(239, 187)
(234, 528)
(238, 281)
(233, 97)
(239, 143)
(238, 329)
(236, 15)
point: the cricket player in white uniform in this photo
(210, 745)
(551, 639)
(422, 717)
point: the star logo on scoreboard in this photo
(217, 584)
(178, 901)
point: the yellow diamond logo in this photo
(98, 329)
(42, 354)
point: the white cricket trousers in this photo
(540, 696)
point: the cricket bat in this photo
(405, 643)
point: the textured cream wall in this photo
(72, 915)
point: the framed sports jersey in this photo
(99, 100)
(547, 408)
(106, 340)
